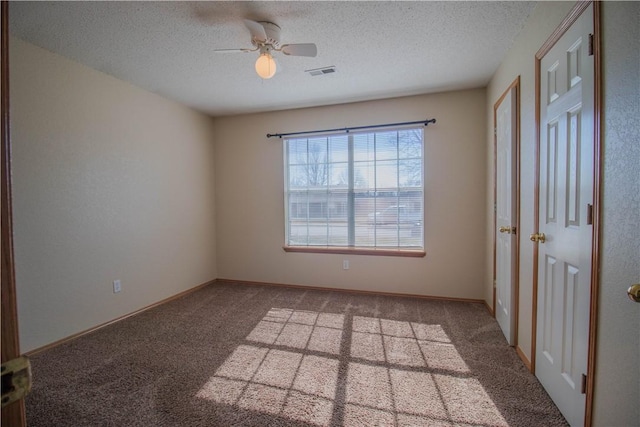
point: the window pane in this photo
(365, 210)
(318, 205)
(410, 173)
(298, 217)
(298, 176)
(339, 149)
(338, 219)
(339, 175)
(386, 145)
(387, 174)
(364, 175)
(318, 218)
(338, 206)
(364, 147)
(317, 150)
(387, 235)
(298, 206)
(410, 144)
(297, 151)
(317, 175)
(411, 218)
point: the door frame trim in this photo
(13, 414)
(571, 17)
(516, 261)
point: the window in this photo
(355, 190)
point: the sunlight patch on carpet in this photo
(404, 343)
(282, 383)
(460, 394)
(397, 373)
(362, 416)
(300, 329)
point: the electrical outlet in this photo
(117, 286)
(345, 264)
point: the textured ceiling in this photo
(379, 49)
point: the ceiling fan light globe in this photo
(265, 66)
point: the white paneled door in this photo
(565, 233)
(506, 213)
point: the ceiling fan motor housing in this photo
(273, 35)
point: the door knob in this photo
(634, 292)
(538, 237)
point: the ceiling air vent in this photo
(321, 71)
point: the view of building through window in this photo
(355, 189)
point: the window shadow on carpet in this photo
(393, 373)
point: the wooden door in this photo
(565, 232)
(506, 271)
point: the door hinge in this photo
(16, 379)
(583, 386)
(590, 44)
(589, 214)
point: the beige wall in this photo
(520, 61)
(617, 382)
(250, 199)
(617, 389)
(110, 182)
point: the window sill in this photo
(357, 251)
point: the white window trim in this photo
(407, 251)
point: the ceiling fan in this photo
(265, 37)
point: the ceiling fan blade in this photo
(256, 29)
(300, 49)
(234, 50)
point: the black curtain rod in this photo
(280, 135)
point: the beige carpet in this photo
(240, 355)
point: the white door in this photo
(505, 233)
(566, 194)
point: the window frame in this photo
(402, 251)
